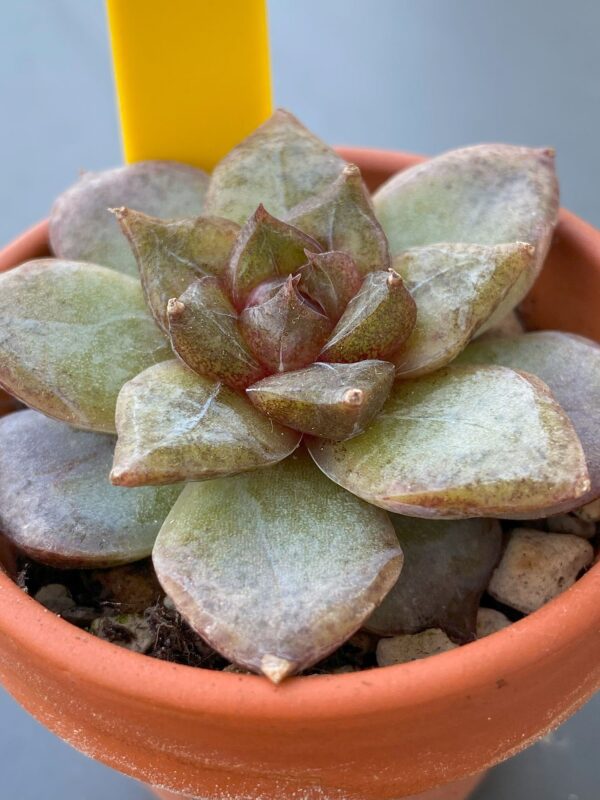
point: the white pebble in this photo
(538, 566)
(490, 621)
(411, 646)
(590, 512)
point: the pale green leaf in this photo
(71, 334)
(279, 165)
(82, 229)
(486, 194)
(57, 503)
(456, 288)
(278, 567)
(174, 425)
(463, 442)
(570, 365)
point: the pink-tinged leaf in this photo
(447, 567)
(570, 365)
(279, 164)
(376, 323)
(278, 567)
(286, 332)
(331, 280)
(486, 194)
(335, 401)
(204, 330)
(266, 248)
(175, 425)
(342, 218)
(57, 504)
(456, 288)
(82, 229)
(171, 254)
(464, 442)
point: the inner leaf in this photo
(278, 567)
(171, 254)
(335, 401)
(342, 218)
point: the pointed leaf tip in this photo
(463, 442)
(376, 323)
(286, 332)
(266, 248)
(335, 401)
(342, 218)
(280, 164)
(171, 254)
(205, 334)
(276, 592)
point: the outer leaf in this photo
(487, 194)
(57, 504)
(82, 229)
(71, 334)
(335, 401)
(342, 218)
(280, 164)
(376, 323)
(447, 567)
(285, 332)
(171, 254)
(464, 442)
(570, 365)
(331, 280)
(266, 248)
(205, 334)
(174, 425)
(456, 288)
(276, 568)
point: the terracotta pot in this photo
(377, 735)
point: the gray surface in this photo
(422, 76)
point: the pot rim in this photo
(169, 686)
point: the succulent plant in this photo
(291, 364)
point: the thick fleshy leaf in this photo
(331, 280)
(174, 425)
(376, 323)
(57, 504)
(266, 248)
(463, 442)
(276, 568)
(570, 365)
(280, 164)
(204, 330)
(82, 229)
(335, 401)
(342, 218)
(286, 332)
(487, 194)
(447, 567)
(171, 254)
(71, 334)
(456, 288)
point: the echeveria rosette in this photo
(291, 316)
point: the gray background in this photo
(422, 76)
